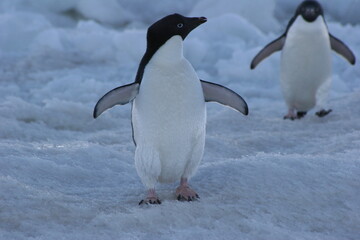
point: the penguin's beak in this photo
(194, 22)
(310, 12)
(202, 20)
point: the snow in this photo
(64, 175)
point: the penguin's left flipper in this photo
(225, 96)
(118, 96)
(269, 49)
(340, 47)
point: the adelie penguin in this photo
(168, 108)
(306, 65)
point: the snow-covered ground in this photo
(64, 175)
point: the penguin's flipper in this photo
(269, 49)
(217, 93)
(340, 47)
(118, 96)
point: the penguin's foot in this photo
(151, 198)
(291, 115)
(323, 112)
(185, 193)
(301, 114)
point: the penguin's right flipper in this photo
(269, 49)
(340, 47)
(118, 96)
(217, 93)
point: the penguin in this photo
(168, 108)
(306, 64)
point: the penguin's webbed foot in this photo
(185, 193)
(301, 114)
(291, 115)
(323, 112)
(151, 198)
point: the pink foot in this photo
(151, 198)
(185, 193)
(291, 115)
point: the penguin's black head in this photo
(310, 10)
(170, 26)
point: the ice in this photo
(19, 30)
(54, 5)
(64, 175)
(109, 11)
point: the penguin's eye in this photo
(180, 25)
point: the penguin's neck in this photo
(170, 52)
(315, 28)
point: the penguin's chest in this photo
(170, 104)
(305, 59)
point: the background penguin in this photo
(306, 59)
(168, 111)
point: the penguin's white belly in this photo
(169, 118)
(305, 63)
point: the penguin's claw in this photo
(151, 200)
(182, 198)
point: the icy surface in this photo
(64, 175)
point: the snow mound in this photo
(250, 10)
(19, 30)
(109, 11)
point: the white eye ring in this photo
(180, 25)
